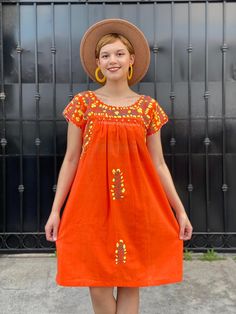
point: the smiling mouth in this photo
(113, 69)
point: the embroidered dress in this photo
(117, 227)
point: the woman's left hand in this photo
(186, 228)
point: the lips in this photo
(113, 69)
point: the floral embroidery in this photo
(85, 108)
(75, 111)
(117, 188)
(87, 136)
(120, 252)
(158, 119)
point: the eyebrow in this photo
(122, 49)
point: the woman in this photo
(118, 228)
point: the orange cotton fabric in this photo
(117, 228)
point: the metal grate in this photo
(192, 74)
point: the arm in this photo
(69, 166)
(155, 149)
(65, 179)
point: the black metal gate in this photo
(192, 74)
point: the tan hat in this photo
(130, 31)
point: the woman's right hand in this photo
(51, 227)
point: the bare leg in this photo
(127, 300)
(103, 300)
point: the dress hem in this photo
(94, 283)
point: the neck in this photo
(116, 89)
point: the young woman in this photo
(118, 228)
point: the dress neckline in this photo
(134, 105)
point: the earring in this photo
(130, 73)
(100, 80)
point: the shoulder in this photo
(149, 104)
(149, 100)
(81, 95)
(154, 114)
(153, 104)
(78, 104)
(82, 98)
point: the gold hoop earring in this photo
(100, 80)
(130, 72)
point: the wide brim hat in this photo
(128, 30)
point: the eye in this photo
(120, 54)
(104, 56)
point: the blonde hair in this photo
(110, 39)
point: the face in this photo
(114, 61)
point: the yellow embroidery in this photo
(87, 137)
(117, 188)
(120, 252)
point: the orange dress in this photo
(117, 228)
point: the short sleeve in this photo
(75, 110)
(158, 118)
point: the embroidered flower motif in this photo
(120, 252)
(87, 137)
(84, 109)
(117, 188)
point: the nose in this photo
(112, 58)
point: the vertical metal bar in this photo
(206, 140)
(70, 54)
(172, 93)
(87, 19)
(121, 9)
(3, 123)
(53, 53)
(104, 10)
(224, 49)
(37, 124)
(138, 11)
(155, 48)
(21, 183)
(189, 49)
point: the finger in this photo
(48, 232)
(181, 233)
(54, 234)
(188, 234)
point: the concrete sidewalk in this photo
(27, 286)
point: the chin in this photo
(116, 78)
